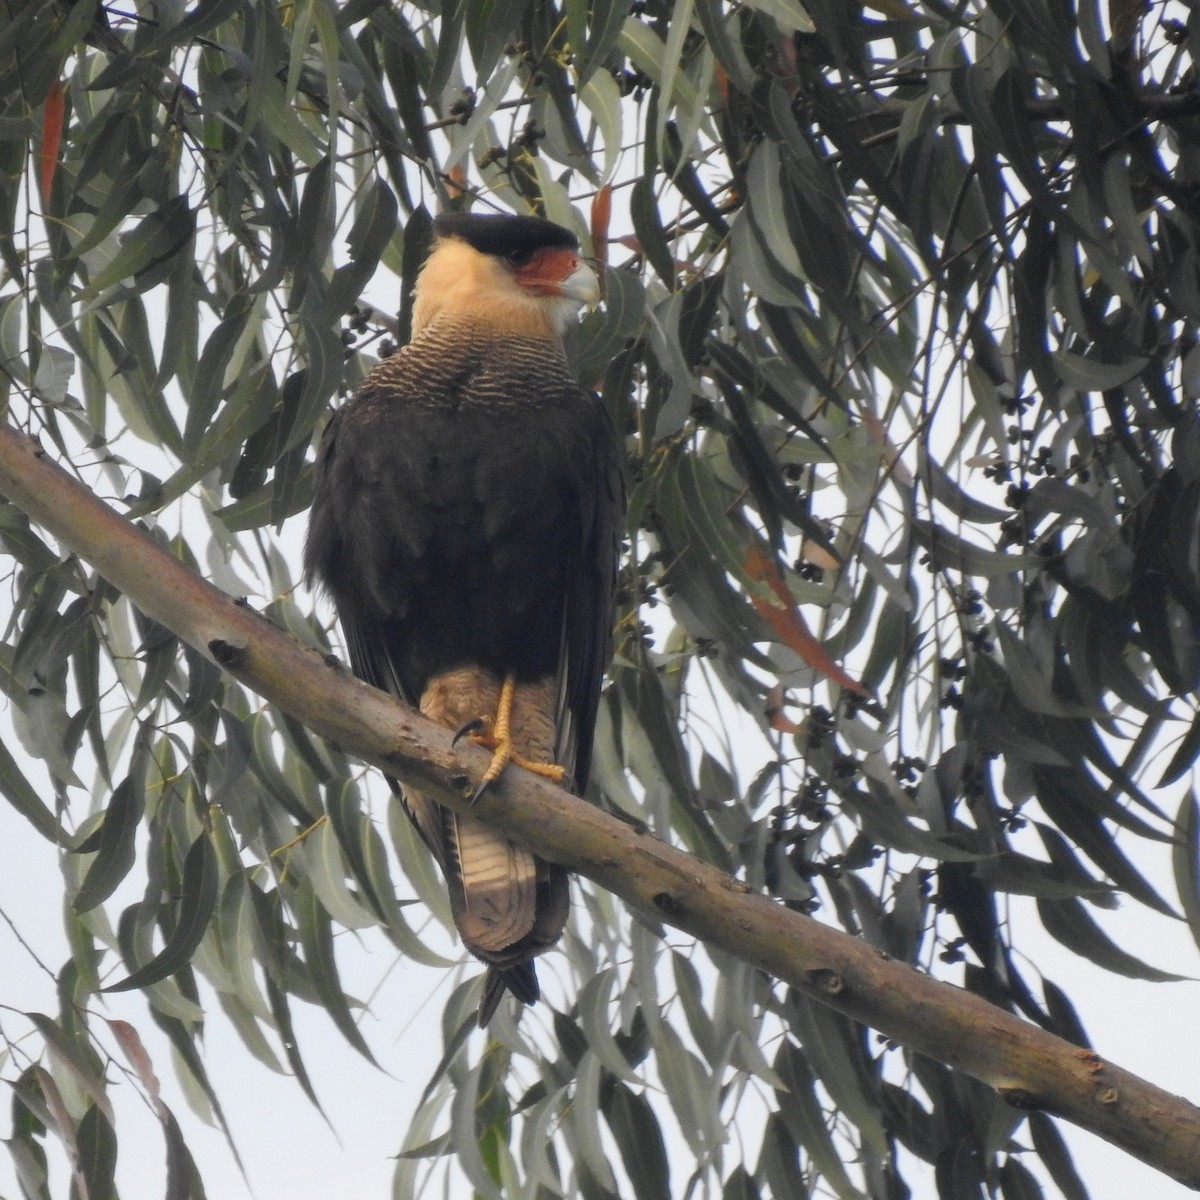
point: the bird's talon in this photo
(469, 729)
(496, 736)
(502, 755)
(477, 793)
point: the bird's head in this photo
(520, 275)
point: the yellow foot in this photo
(497, 737)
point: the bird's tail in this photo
(508, 905)
(521, 980)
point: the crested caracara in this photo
(466, 523)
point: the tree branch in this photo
(1029, 1067)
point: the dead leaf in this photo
(788, 623)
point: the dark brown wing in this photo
(591, 589)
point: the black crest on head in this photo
(496, 233)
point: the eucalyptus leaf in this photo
(196, 903)
(1069, 922)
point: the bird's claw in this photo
(496, 737)
(469, 730)
(503, 753)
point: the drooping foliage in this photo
(900, 326)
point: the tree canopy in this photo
(900, 328)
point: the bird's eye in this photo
(519, 258)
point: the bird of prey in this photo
(466, 523)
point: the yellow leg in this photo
(499, 741)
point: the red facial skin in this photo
(544, 273)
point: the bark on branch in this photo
(1028, 1066)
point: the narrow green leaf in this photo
(1017, 1183)
(949, 551)
(946, 490)
(316, 936)
(701, 1025)
(909, 1122)
(182, 1038)
(647, 224)
(640, 1141)
(721, 29)
(641, 42)
(236, 928)
(741, 1186)
(1092, 375)
(778, 1160)
(183, 1178)
(1185, 859)
(671, 72)
(1066, 1022)
(885, 824)
(767, 211)
(327, 874)
(751, 377)
(281, 1011)
(246, 1026)
(196, 904)
(25, 1148)
(157, 237)
(801, 1111)
(346, 817)
(206, 15)
(243, 314)
(669, 400)
(115, 852)
(690, 1090)
(713, 518)
(373, 228)
(488, 26)
(464, 138)
(1185, 754)
(1078, 806)
(595, 1017)
(1024, 876)
(320, 379)
(22, 795)
(449, 48)
(96, 1146)
(605, 20)
(395, 926)
(1052, 1150)
(1068, 922)
(834, 1046)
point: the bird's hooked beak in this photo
(582, 285)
